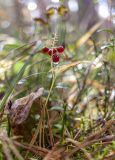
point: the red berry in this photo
(52, 51)
(60, 49)
(45, 50)
(55, 58)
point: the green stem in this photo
(52, 84)
(63, 122)
(45, 106)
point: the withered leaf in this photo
(20, 109)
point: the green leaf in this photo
(17, 66)
(106, 30)
(9, 47)
(111, 57)
(59, 126)
(58, 108)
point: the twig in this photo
(34, 149)
(92, 138)
(76, 143)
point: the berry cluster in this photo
(54, 53)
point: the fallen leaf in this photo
(19, 110)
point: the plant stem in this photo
(45, 106)
(63, 122)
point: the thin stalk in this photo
(45, 106)
(51, 87)
(38, 129)
(63, 122)
(41, 121)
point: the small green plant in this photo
(57, 98)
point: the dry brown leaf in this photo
(65, 67)
(19, 110)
